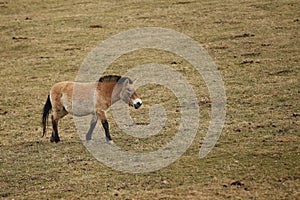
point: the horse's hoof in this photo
(111, 142)
(56, 140)
(88, 138)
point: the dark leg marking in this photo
(92, 127)
(106, 128)
(54, 137)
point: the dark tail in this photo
(46, 110)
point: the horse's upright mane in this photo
(114, 78)
(109, 78)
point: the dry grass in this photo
(256, 46)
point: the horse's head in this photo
(128, 93)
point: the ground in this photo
(255, 45)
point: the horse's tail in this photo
(46, 111)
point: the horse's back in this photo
(75, 98)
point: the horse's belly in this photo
(82, 102)
(82, 108)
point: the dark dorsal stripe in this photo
(115, 78)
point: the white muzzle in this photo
(137, 103)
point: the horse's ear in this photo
(126, 82)
(134, 80)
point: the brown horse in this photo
(81, 99)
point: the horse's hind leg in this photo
(54, 137)
(57, 114)
(92, 127)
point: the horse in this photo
(93, 98)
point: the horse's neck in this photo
(106, 90)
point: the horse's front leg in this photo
(92, 127)
(106, 129)
(104, 122)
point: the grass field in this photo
(255, 45)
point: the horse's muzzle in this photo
(137, 103)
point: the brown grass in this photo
(256, 47)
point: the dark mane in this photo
(109, 78)
(114, 78)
